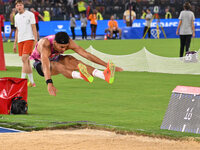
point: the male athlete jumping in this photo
(50, 61)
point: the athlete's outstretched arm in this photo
(45, 52)
(88, 55)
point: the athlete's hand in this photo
(118, 69)
(35, 42)
(51, 89)
(177, 32)
(14, 48)
(193, 34)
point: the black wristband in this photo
(49, 81)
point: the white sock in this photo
(99, 74)
(23, 75)
(30, 77)
(76, 75)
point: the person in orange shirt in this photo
(113, 27)
(93, 24)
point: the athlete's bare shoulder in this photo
(44, 42)
(44, 45)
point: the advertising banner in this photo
(135, 32)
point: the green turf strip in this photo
(135, 102)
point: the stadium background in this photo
(61, 9)
(134, 32)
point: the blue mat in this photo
(7, 130)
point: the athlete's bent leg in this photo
(58, 68)
(72, 64)
(67, 65)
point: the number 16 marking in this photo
(188, 115)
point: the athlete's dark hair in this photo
(19, 1)
(62, 38)
(187, 6)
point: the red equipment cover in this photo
(10, 88)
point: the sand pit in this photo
(88, 139)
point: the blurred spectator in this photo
(90, 8)
(2, 19)
(27, 2)
(83, 26)
(73, 25)
(12, 23)
(147, 28)
(143, 14)
(71, 3)
(113, 28)
(61, 9)
(99, 16)
(75, 6)
(1, 2)
(129, 16)
(168, 14)
(46, 15)
(93, 24)
(131, 3)
(186, 26)
(81, 7)
(37, 14)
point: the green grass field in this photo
(136, 102)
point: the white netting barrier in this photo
(140, 61)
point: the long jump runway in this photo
(8, 130)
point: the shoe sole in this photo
(83, 70)
(112, 70)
